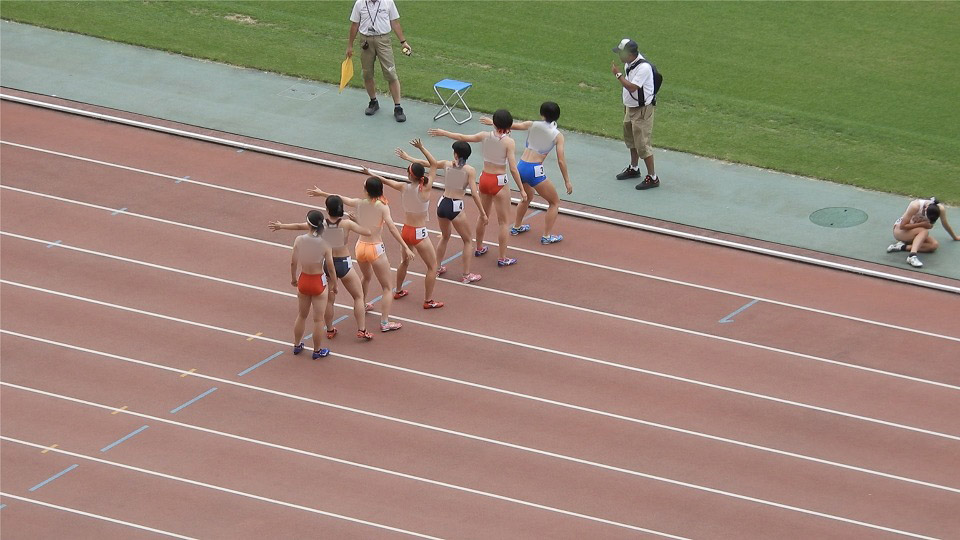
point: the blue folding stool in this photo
(457, 89)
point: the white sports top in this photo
(542, 137)
(921, 214)
(494, 149)
(455, 180)
(412, 202)
(311, 249)
(334, 235)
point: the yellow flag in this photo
(346, 73)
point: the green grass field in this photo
(863, 93)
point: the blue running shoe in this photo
(552, 239)
(322, 353)
(521, 229)
(297, 349)
(481, 251)
(506, 262)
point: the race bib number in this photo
(323, 277)
(538, 171)
(421, 233)
(501, 179)
(457, 206)
(380, 249)
(349, 262)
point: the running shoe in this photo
(390, 326)
(332, 333)
(322, 353)
(914, 261)
(552, 239)
(400, 294)
(470, 278)
(896, 247)
(373, 107)
(648, 183)
(441, 270)
(432, 304)
(368, 306)
(629, 173)
(506, 262)
(481, 251)
(518, 230)
(297, 349)
(363, 334)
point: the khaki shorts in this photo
(380, 47)
(638, 128)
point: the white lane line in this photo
(670, 481)
(568, 211)
(219, 488)
(519, 249)
(246, 334)
(511, 392)
(529, 298)
(96, 516)
(346, 462)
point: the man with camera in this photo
(637, 77)
(374, 19)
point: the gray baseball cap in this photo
(627, 44)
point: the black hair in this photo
(335, 206)
(374, 187)
(418, 172)
(462, 150)
(550, 111)
(315, 220)
(933, 211)
(502, 119)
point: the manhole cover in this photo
(838, 217)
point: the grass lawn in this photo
(863, 93)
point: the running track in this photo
(591, 391)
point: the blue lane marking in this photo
(450, 258)
(115, 212)
(125, 437)
(181, 180)
(340, 319)
(51, 244)
(240, 150)
(260, 363)
(728, 318)
(54, 477)
(531, 214)
(201, 396)
(2, 506)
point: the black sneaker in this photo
(373, 107)
(649, 182)
(629, 173)
(398, 114)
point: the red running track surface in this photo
(575, 395)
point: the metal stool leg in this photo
(446, 108)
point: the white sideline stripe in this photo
(346, 462)
(524, 297)
(541, 206)
(218, 488)
(280, 342)
(522, 250)
(519, 394)
(96, 516)
(468, 436)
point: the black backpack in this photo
(657, 81)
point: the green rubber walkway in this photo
(696, 191)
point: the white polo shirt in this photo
(642, 76)
(374, 16)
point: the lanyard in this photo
(376, 10)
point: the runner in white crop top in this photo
(912, 229)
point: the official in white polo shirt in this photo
(374, 19)
(639, 101)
